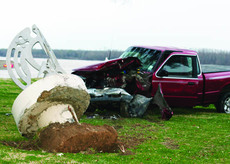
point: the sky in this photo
(118, 24)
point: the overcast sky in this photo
(118, 24)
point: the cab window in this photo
(179, 66)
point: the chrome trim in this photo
(220, 77)
(165, 81)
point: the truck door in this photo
(181, 80)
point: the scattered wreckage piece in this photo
(129, 105)
(159, 100)
(139, 104)
(56, 98)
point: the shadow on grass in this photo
(154, 114)
(194, 110)
(183, 111)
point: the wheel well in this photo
(225, 89)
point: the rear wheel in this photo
(223, 105)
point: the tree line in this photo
(75, 54)
(207, 56)
(211, 56)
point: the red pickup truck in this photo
(141, 69)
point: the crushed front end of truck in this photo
(125, 84)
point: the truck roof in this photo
(160, 48)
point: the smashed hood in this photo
(118, 64)
(117, 73)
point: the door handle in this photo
(191, 83)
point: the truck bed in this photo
(210, 68)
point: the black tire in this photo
(223, 105)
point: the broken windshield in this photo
(148, 57)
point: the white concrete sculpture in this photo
(21, 48)
(58, 97)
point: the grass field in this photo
(198, 135)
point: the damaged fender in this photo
(137, 106)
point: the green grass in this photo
(194, 135)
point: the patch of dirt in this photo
(25, 145)
(117, 127)
(170, 144)
(130, 142)
(141, 125)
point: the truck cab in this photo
(141, 69)
(180, 78)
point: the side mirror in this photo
(162, 73)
